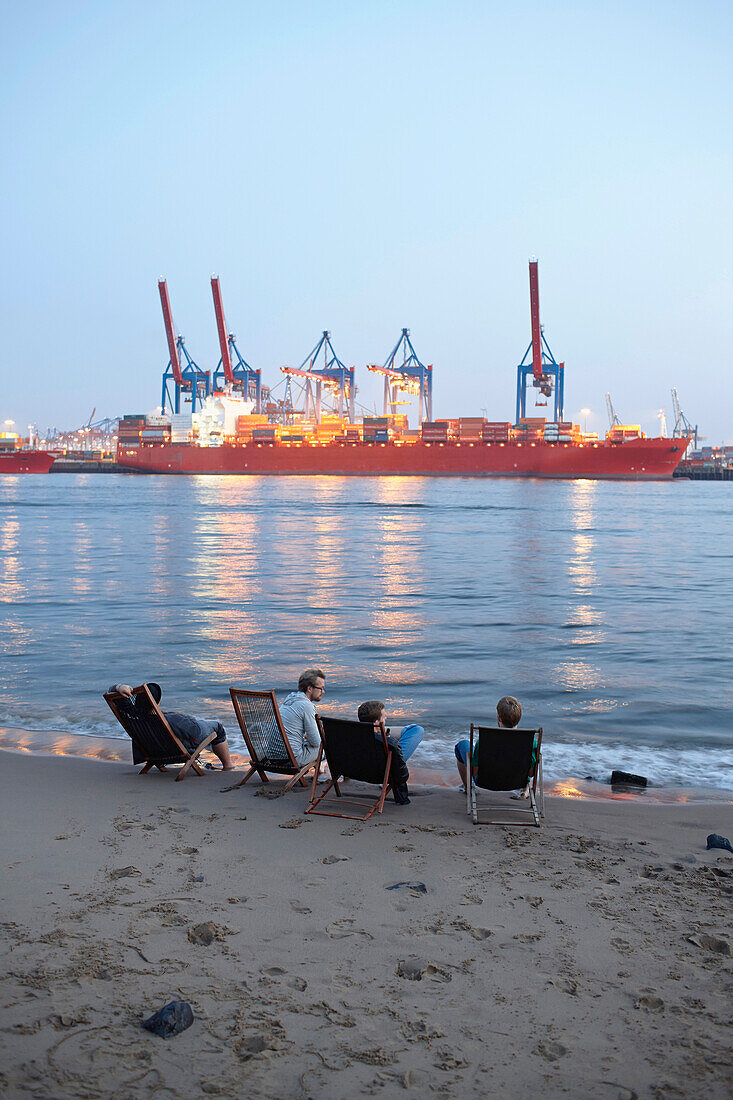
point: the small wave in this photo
(663, 767)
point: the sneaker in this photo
(520, 794)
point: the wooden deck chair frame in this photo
(262, 765)
(179, 753)
(536, 810)
(370, 805)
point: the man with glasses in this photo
(298, 713)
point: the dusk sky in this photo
(362, 167)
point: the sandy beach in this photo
(589, 958)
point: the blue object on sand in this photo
(170, 1020)
(716, 841)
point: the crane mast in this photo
(188, 380)
(237, 373)
(682, 426)
(547, 374)
(613, 419)
(170, 332)
(221, 328)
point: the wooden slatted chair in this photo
(153, 740)
(266, 739)
(353, 751)
(505, 763)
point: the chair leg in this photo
(147, 768)
(298, 777)
(315, 776)
(542, 788)
(192, 761)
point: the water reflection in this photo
(399, 577)
(11, 587)
(81, 557)
(576, 674)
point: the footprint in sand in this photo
(339, 929)
(273, 972)
(123, 872)
(650, 1002)
(414, 970)
(550, 1050)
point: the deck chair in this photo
(505, 764)
(266, 739)
(153, 740)
(352, 751)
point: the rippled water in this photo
(604, 607)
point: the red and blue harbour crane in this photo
(547, 374)
(335, 376)
(182, 372)
(410, 376)
(232, 370)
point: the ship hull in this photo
(26, 462)
(638, 459)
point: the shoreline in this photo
(117, 750)
(414, 954)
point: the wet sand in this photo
(589, 958)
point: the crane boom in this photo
(534, 306)
(221, 327)
(397, 375)
(170, 332)
(317, 376)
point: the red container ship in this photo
(26, 462)
(235, 432)
(640, 459)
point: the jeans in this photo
(410, 738)
(461, 750)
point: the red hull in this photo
(638, 459)
(26, 462)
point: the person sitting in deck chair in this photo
(508, 714)
(190, 731)
(403, 746)
(298, 714)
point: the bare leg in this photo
(462, 772)
(222, 751)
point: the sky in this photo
(363, 167)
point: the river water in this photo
(604, 607)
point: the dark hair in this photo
(309, 677)
(371, 711)
(509, 711)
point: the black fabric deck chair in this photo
(353, 750)
(153, 741)
(266, 739)
(505, 764)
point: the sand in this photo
(590, 958)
